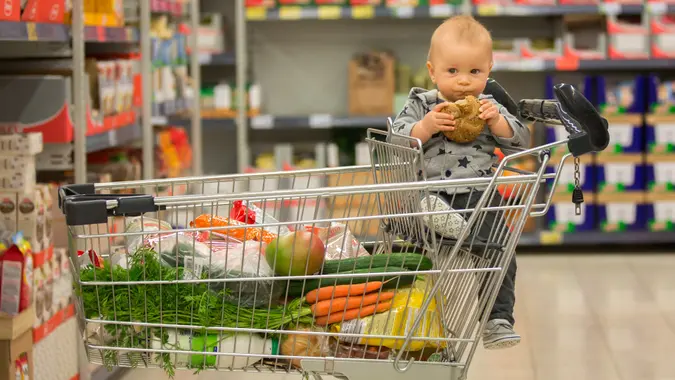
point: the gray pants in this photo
(506, 297)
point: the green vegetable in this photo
(298, 288)
(178, 303)
(411, 261)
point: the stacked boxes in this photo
(660, 155)
(23, 201)
(630, 186)
(620, 168)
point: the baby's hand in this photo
(436, 121)
(488, 112)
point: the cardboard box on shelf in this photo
(628, 37)
(620, 174)
(13, 326)
(660, 173)
(562, 216)
(12, 10)
(16, 357)
(662, 33)
(372, 84)
(45, 11)
(620, 212)
(660, 211)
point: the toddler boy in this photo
(459, 63)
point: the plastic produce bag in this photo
(143, 224)
(398, 321)
(340, 242)
(221, 259)
(247, 212)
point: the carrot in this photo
(341, 304)
(328, 292)
(352, 314)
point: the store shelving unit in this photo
(324, 36)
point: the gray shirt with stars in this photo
(445, 159)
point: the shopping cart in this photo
(224, 279)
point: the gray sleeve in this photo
(412, 112)
(521, 133)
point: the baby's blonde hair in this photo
(463, 28)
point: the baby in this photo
(459, 63)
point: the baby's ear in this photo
(430, 69)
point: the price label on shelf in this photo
(32, 31)
(329, 12)
(404, 12)
(262, 122)
(550, 238)
(290, 13)
(363, 12)
(320, 121)
(256, 13)
(488, 10)
(441, 10)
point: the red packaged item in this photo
(16, 280)
(242, 213)
(92, 258)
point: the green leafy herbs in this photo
(195, 304)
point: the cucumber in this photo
(298, 288)
(410, 261)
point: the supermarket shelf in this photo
(111, 34)
(328, 12)
(30, 31)
(166, 112)
(168, 7)
(547, 238)
(588, 64)
(219, 59)
(113, 138)
(41, 32)
(264, 122)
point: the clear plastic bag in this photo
(340, 242)
(220, 259)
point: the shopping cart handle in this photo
(588, 131)
(81, 205)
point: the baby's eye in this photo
(475, 71)
(452, 71)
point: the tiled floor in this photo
(582, 317)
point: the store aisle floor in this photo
(595, 317)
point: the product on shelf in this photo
(12, 12)
(628, 37)
(44, 11)
(662, 29)
(210, 38)
(584, 37)
(16, 346)
(372, 84)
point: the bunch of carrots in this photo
(333, 304)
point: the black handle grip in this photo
(538, 110)
(81, 205)
(587, 129)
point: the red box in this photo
(46, 11)
(11, 10)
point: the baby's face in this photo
(460, 69)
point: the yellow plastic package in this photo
(398, 322)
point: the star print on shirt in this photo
(448, 174)
(477, 147)
(441, 151)
(515, 144)
(492, 154)
(404, 111)
(464, 162)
